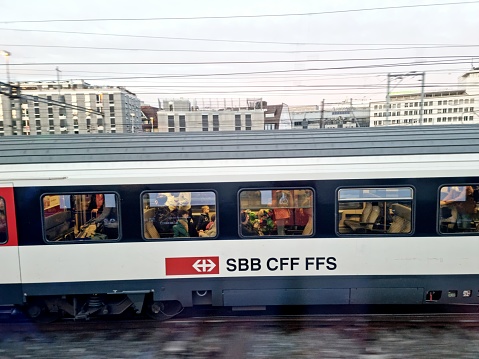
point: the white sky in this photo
(356, 49)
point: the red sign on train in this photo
(192, 265)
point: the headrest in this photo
(402, 211)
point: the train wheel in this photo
(163, 310)
(39, 312)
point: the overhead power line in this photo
(449, 58)
(356, 67)
(243, 16)
(243, 51)
(203, 39)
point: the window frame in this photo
(164, 239)
(280, 188)
(375, 187)
(82, 240)
(438, 211)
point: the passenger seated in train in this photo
(163, 213)
(203, 219)
(265, 223)
(210, 228)
(247, 228)
(180, 229)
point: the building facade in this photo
(437, 108)
(180, 115)
(450, 107)
(73, 107)
(337, 115)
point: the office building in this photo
(69, 107)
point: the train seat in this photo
(401, 222)
(368, 219)
(150, 231)
(58, 225)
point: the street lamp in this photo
(7, 61)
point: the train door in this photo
(10, 280)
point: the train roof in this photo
(418, 140)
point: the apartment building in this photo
(69, 107)
(180, 115)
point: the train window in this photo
(179, 214)
(3, 221)
(458, 209)
(276, 212)
(71, 217)
(375, 210)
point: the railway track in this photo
(303, 321)
(248, 336)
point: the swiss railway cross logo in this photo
(192, 265)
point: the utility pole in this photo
(321, 125)
(422, 98)
(58, 81)
(401, 76)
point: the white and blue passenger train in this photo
(156, 222)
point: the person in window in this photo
(247, 228)
(3, 222)
(210, 229)
(180, 229)
(212, 222)
(204, 219)
(282, 201)
(462, 199)
(97, 204)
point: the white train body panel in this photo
(10, 266)
(164, 172)
(353, 256)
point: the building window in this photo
(375, 211)
(216, 123)
(71, 217)
(204, 122)
(179, 215)
(276, 212)
(182, 121)
(237, 122)
(248, 123)
(171, 123)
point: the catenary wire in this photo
(245, 16)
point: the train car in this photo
(153, 223)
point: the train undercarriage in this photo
(48, 309)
